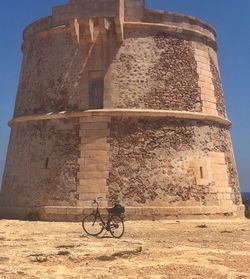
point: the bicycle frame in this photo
(98, 214)
(93, 224)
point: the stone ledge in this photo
(75, 214)
(143, 113)
(173, 28)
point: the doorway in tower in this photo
(96, 89)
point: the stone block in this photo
(205, 79)
(81, 161)
(218, 161)
(224, 196)
(62, 210)
(229, 190)
(206, 85)
(96, 160)
(94, 119)
(104, 189)
(226, 203)
(91, 196)
(94, 167)
(94, 140)
(75, 30)
(208, 92)
(210, 111)
(74, 210)
(221, 189)
(204, 66)
(93, 146)
(50, 210)
(91, 182)
(219, 169)
(55, 217)
(201, 52)
(220, 176)
(205, 73)
(200, 46)
(214, 189)
(93, 125)
(89, 189)
(201, 181)
(94, 133)
(217, 155)
(89, 204)
(209, 105)
(208, 98)
(221, 183)
(201, 59)
(93, 174)
(94, 154)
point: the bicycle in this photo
(94, 224)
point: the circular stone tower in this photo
(122, 102)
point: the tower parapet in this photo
(123, 102)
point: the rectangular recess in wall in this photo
(46, 166)
(201, 173)
(96, 90)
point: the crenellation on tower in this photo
(123, 102)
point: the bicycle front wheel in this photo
(116, 226)
(92, 225)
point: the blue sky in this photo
(230, 18)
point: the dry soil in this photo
(149, 249)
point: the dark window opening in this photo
(96, 89)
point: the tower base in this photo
(75, 214)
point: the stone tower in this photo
(123, 102)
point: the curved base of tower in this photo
(158, 164)
(75, 214)
(161, 146)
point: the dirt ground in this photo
(148, 249)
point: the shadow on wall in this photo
(2, 162)
(246, 202)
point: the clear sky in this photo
(230, 18)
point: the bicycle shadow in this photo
(104, 236)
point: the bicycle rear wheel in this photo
(92, 225)
(116, 226)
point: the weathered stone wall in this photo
(218, 91)
(179, 20)
(52, 76)
(152, 163)
(94, 160)
(41, 167)
(134, 10)
(152, 70)
(86, 57)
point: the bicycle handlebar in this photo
(96, 200)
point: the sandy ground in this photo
(151, 249)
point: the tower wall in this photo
(160, 162)
(121, 102)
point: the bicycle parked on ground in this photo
(94, 224)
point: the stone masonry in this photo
(119, 101)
